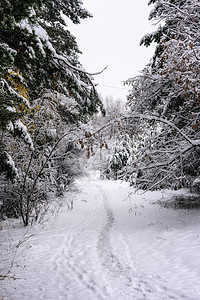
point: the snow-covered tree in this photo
(167, 96)
(35, 43)
(14, 99)
(50, 168)
(100, 134)
(43, 89)
(120, 154)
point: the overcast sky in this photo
(112, 38)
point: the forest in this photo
(99, 198)
(53, 122)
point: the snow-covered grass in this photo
(113, 245)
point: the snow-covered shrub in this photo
(120, 155)
(196, 185)
(47, 169)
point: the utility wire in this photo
(115, 54)
(113, 87)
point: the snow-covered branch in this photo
(164, 121)
(13, 92)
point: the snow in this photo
(10, 51)
(21, 127)
(197, 180)
(24, 24)
(64, 18)
(13, 92)
(41, 35)
(68, 102)
(113, 245)
(31, 52)
(12, 164)
(10, 127)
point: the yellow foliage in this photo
(19, 87)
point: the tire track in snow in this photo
(72, 256)
(133, 284)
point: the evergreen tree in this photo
(120, 154)
(41, 48)
(43, 90)
(38, 51)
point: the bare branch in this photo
(161, 120)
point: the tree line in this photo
(47, 101)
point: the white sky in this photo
(112, 38)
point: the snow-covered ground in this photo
(113, 245)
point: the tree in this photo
(167, 97)
(44, 92)
(37, 43)
(13, 96)
(100, 134)
(120, 154)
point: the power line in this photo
(113, 87)
(112, 53)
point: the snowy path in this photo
(114, 245)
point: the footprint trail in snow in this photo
(100, 251)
